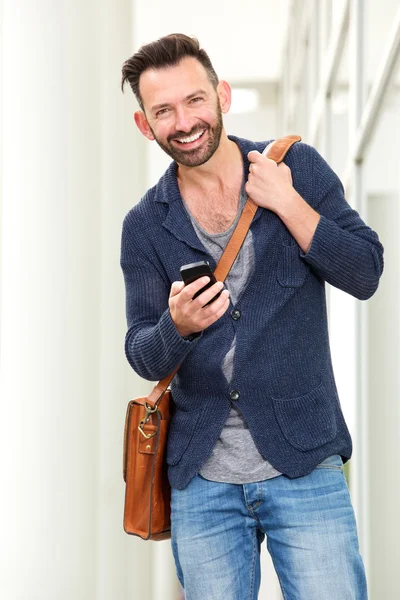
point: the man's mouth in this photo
(190, 139)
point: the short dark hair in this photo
(164, 52)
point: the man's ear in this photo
(225, 95)
(143, 125)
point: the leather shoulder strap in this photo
(277, 151)
(280, 147)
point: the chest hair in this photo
(214, 211)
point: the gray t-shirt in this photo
(235, 458)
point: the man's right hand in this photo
(191, 316)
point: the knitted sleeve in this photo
(153, 346)
(344, 250)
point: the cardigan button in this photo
(234, 395)
(236, 314)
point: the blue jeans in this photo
(218, 528)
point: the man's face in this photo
(183, 111)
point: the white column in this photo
(71, 169)
(50, 290)
(384, 406)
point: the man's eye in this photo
(194, 99)
(161, 112)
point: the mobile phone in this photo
(193, 271)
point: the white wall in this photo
(382, 168)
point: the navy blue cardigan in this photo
(282, 370)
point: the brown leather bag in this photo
(147, 491)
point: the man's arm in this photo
(300, 219)
(344, 250)
(334, 240)
(153, 345)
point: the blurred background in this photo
(72, 163)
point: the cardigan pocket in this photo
(180, 434)
(307, 421)
(292, 269)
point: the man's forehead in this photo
(168, 83)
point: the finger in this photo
(176, 288)
(254, 156)
(207, 312)
(189, 290)
(218, 308)
(207, 295)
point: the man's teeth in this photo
(191, 138)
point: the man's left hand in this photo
(268, 184)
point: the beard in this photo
(196, 156)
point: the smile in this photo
(192, 138)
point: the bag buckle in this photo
(149, 411)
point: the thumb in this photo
(176, 288)
(253, 155)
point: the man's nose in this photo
(183, 122)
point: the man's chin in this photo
(191, 161)
(194, 157)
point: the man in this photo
(257, 441)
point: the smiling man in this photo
(257, 439)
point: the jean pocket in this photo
(332, 462)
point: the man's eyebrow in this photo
(165, 104)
